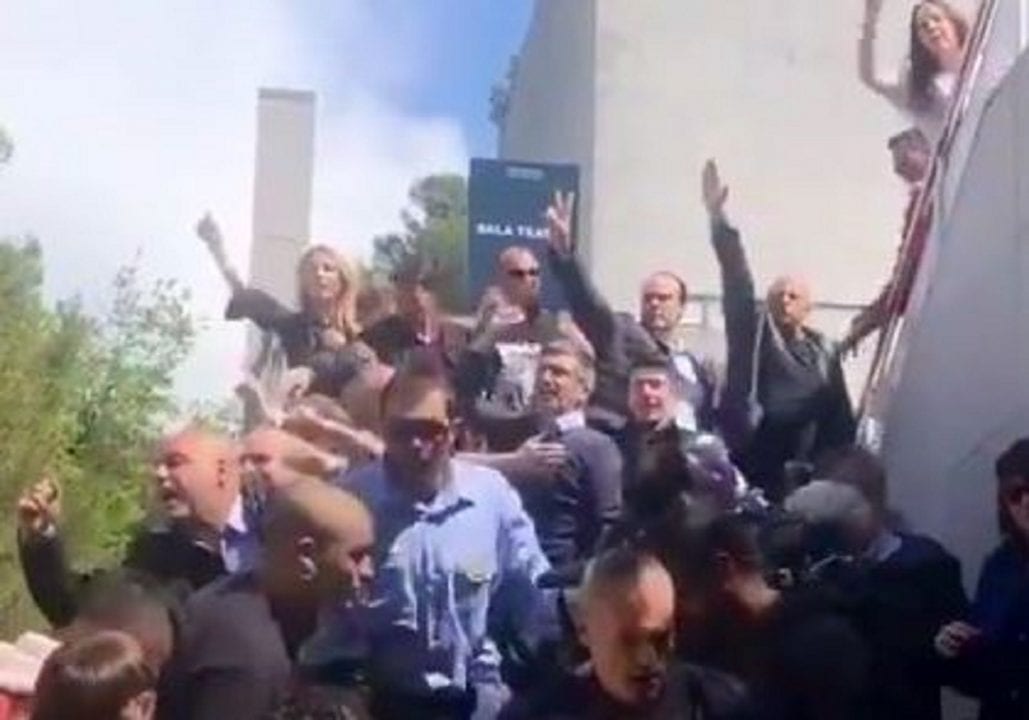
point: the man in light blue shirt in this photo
(448, 534)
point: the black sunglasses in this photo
(523, 272)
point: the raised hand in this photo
(542, 459)
(39, 507)
(208, 231)
(714, 192)
(560, 218)
(953, 638)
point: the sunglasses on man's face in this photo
(523, 272)
(407, 430)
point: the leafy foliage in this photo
(436, 228)
(82, 396)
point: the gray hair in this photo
(829, 502)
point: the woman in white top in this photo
(939, 34)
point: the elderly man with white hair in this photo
(785, 397)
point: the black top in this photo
(803, 406)
(690, 693)
(300, 335)
(232, 661)
(996, 667)
(163, 553)
(393, 337)
(805, 662)
(908, 597)
(655, 468)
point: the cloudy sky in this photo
(132, 118)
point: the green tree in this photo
(82, 396)
(435, 228)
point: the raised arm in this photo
(51, 582)
(209, 232)
(589, 309)
(867, 71)
(739, 306)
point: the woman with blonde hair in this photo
(938, 40)
(326, 322)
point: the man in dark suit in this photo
(585, 498)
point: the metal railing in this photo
(993, 44)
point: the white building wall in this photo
(960, 396)
(768, 88)
(282, 189)
(551, 111)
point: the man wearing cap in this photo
(418, 320)
(448, 535)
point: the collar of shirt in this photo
(239, 546)
(572, 420)
(236, 523)
(449, 494)
(884, 545)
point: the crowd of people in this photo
(538, 515)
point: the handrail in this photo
(926, 205)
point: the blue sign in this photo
(507, 202)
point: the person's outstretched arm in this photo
(590, 311)
(739, 306)
(208, 231)
(52, 584)
(868, 73)
(246, 302)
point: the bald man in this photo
(243, 634)
(199, 534)
(785, 398)
(620, 340)
(626, 618)
(497, 370)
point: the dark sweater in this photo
(232, 661)
(805, 661)
(996, 667)
(907, 598)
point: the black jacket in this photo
(619, 340)
(790, 422)
(164, 554)
(691, 693)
